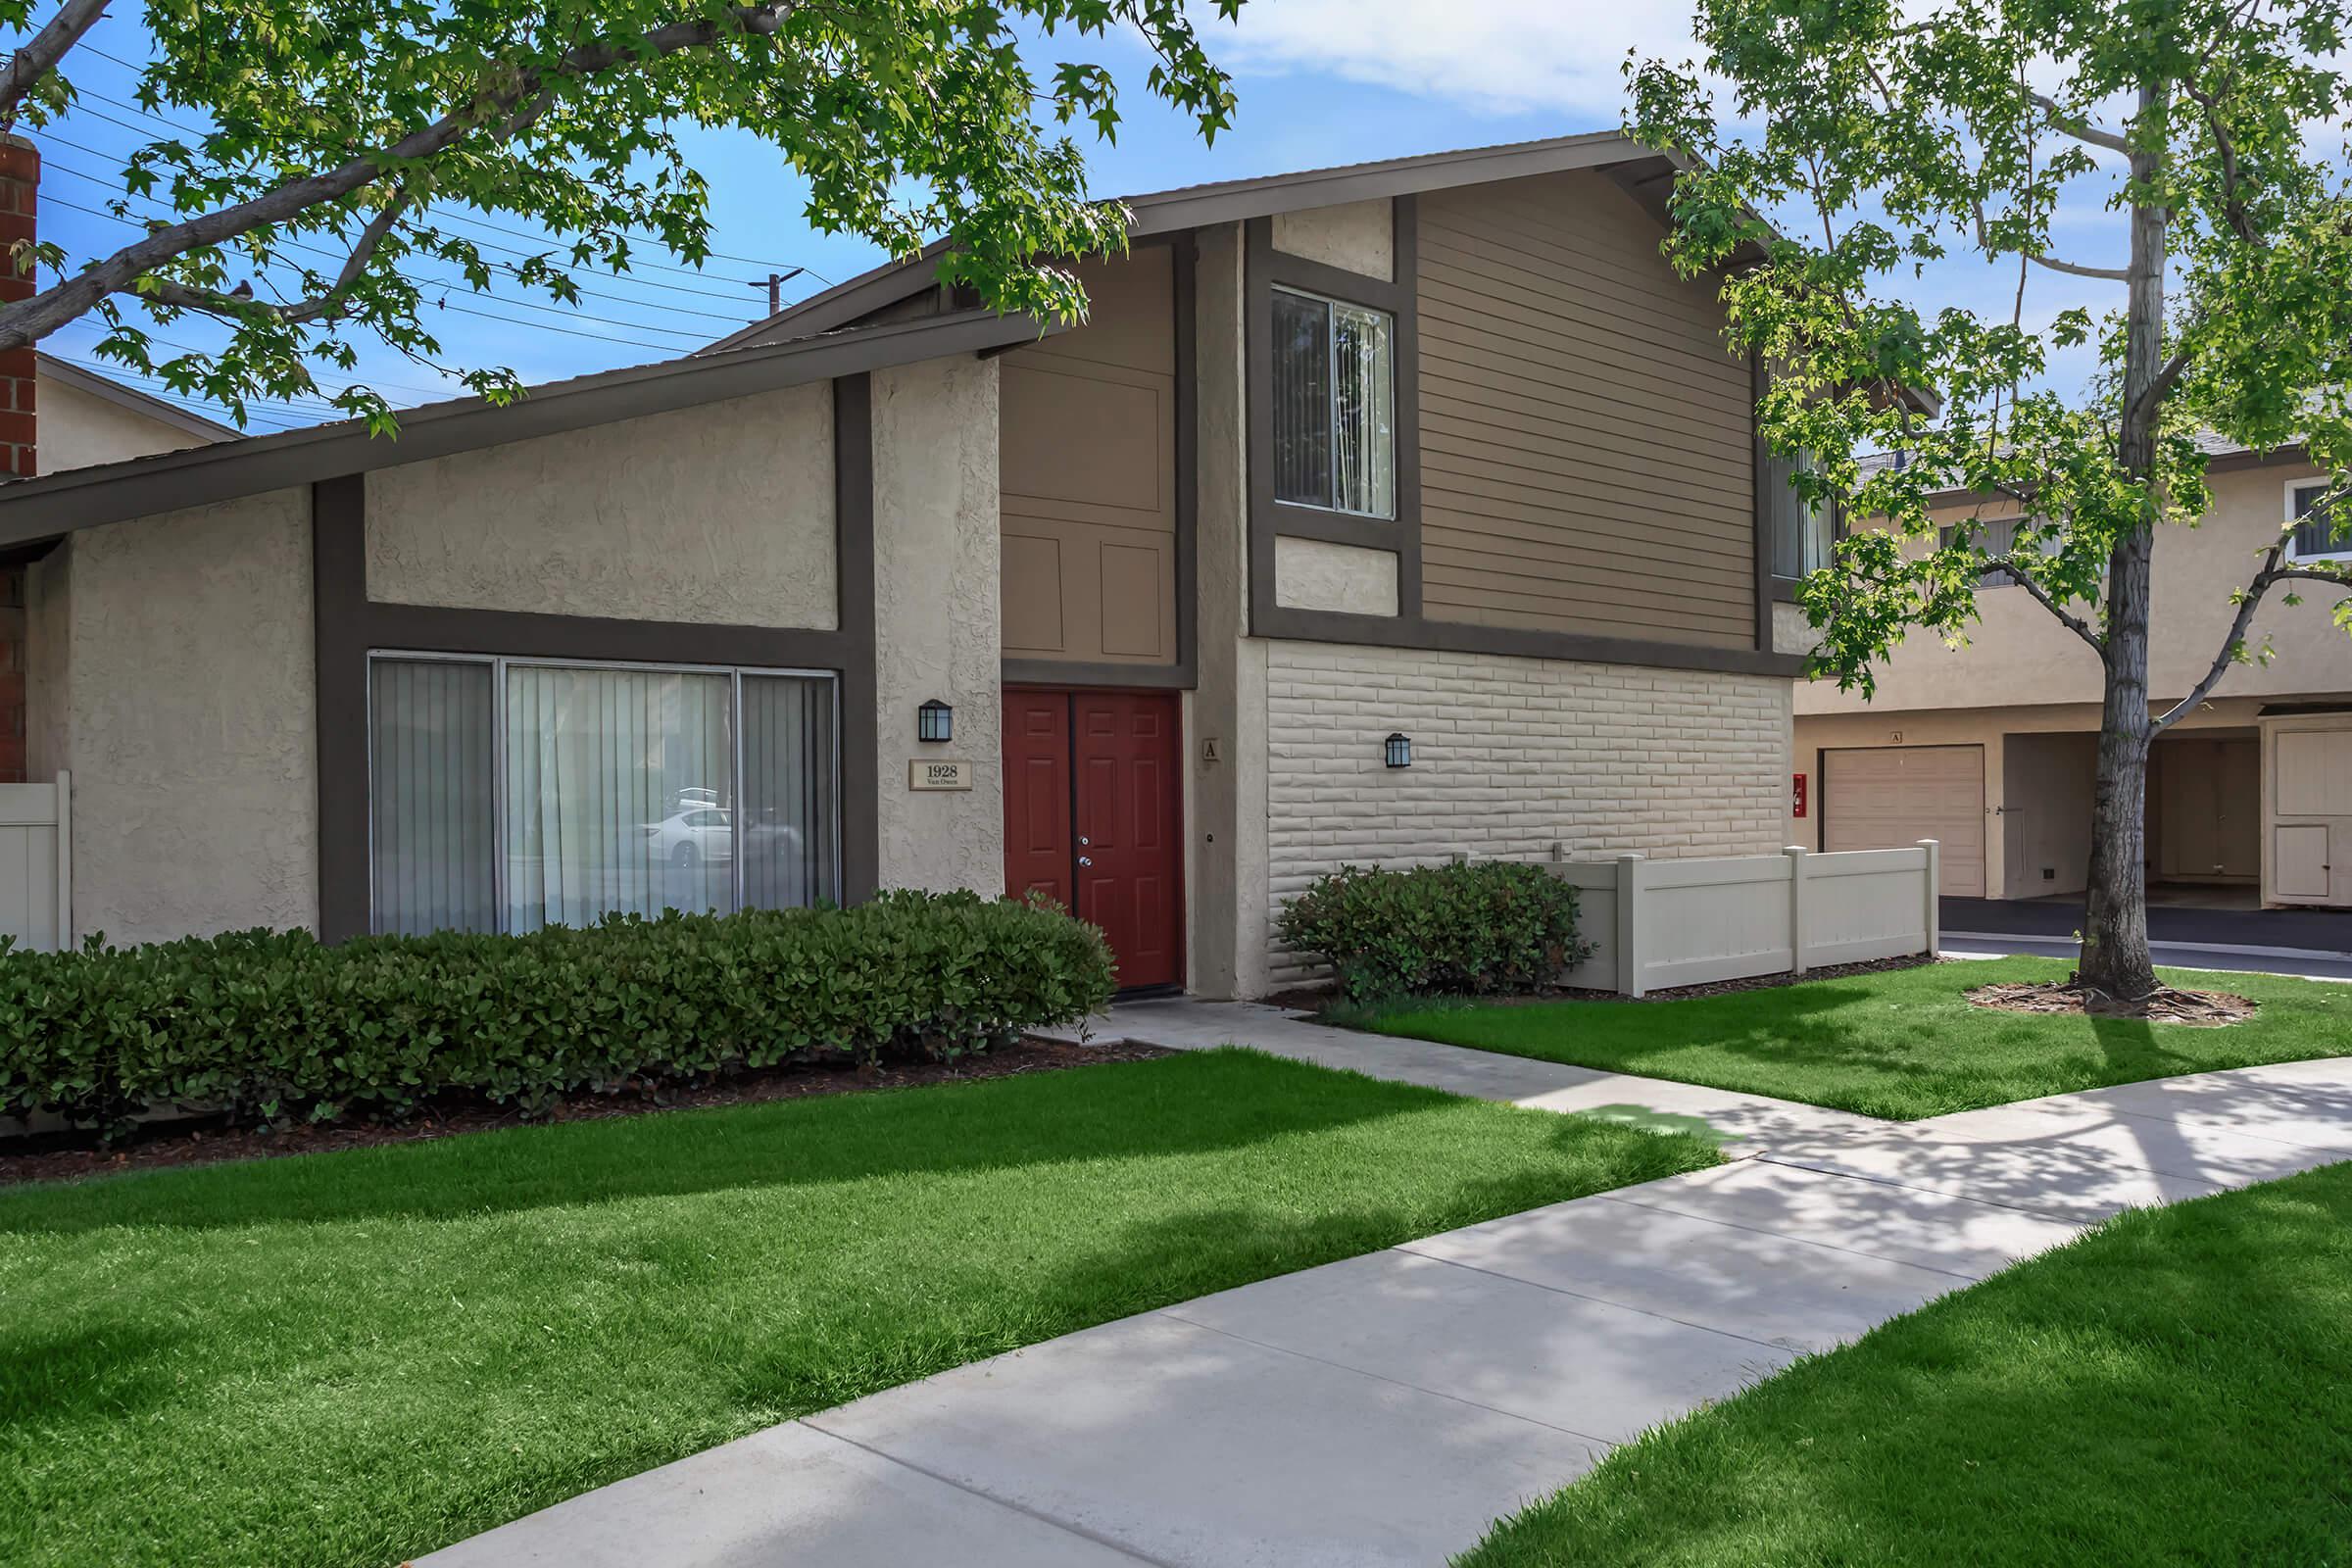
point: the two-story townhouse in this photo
(1991, 745)
(1375, 513)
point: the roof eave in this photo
(45, 508)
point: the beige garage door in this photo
(1887, 797)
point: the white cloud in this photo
(1491, 56)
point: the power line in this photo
(629, 278)
(154, 387)
(192, 130)
(491, 316)
(330, 383)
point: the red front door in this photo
(1093, 816)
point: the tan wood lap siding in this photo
(1086, 476)
(1587, 456)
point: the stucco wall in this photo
(1354, 237)
(1226, 800)
(77, 429)
(721, 515)
(1317, 574)
(936, 555)
(1512, 758)
(187, 717)
(2019, 654)
(1792, 632)
(48, 661)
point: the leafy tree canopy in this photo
(1904, 134)
(344, 130)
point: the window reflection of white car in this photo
(693, 836)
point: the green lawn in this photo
(2169, 1389)
(354, 1358)
(1900, 1043)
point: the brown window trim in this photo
(1264, 266)
(348, 625)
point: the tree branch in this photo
(2273, 570)
(2112, 275)
(2077, 126)
(328, 304)
(43, 50)
(31, 319)
(2041, 596)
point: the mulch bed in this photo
(2199, 1009)
(1310, 1000)
(54, 1157)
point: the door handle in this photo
(1086, 860)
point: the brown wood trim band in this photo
(853, 580)
(1467, 637)
(1098, 672)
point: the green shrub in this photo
(1477, 927)
(273, 1026)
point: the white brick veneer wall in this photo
(1511, 756)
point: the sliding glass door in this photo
(508, 794)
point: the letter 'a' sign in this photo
(1797, 796)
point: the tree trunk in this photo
(2114, 916)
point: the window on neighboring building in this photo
(1335, 405)
(1997, 536)
(2318, 535)
(507, 794)
(1800, 533)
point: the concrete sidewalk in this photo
(1385, 1409)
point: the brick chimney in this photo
(20, 187)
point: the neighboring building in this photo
(84, 418)
(1438, 449)
(1991, 747)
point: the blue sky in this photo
(1320, 83)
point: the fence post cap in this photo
(1631, 855)
(1796, 849)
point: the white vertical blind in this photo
(617, 785)
(791, 815)
(429, 805)
(1363, 410)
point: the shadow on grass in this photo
(2169, 1390)
(1115, 1110)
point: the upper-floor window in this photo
(2318, 535)
(1800, 533)
(1335, 405)
(1998, 537)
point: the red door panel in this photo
(1093, 818)
(1125, 745)
(1038, 851)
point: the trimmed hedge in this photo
(274, 1027)
(1476, 927)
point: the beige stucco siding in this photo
(1354, 236)
(1316, 574)
(936, 619)
(184, 706)
(1587, 462)
(2018, 653)
(1512, 758)
(721, 515)
(1088, 475)
(77, 429)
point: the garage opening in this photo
(1887, 797)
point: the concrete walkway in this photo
(1385, 1409)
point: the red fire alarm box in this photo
(1796, 799)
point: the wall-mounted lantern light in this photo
(934, 720)
(1400, 751)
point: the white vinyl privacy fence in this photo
(1662, 923)
(36, 877)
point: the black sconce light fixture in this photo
(1400, 751)
(934, 720)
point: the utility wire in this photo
(735, 319)
(191, 130)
